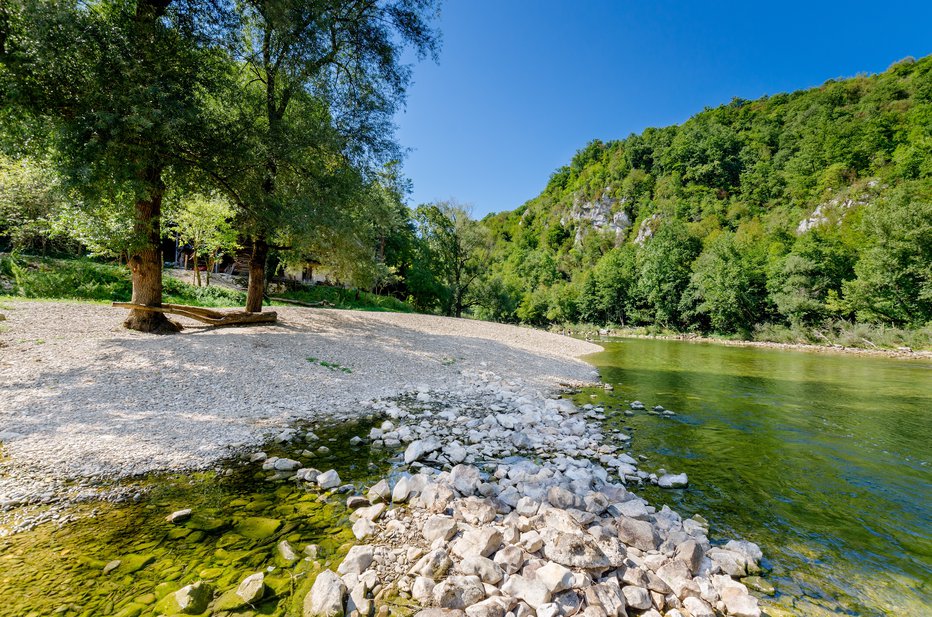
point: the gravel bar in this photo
(83, 398)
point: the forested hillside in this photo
(795, 209)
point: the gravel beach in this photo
(84, 398)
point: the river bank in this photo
(607, 334)
(504, 500)
(86, 401)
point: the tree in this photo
(664, 267)
(120, 83)
(457, 245)
(30, 200)
(322, 80)
(726, 287)
(204, 223)
(894, 274)
(803, 281)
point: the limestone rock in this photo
(193, 599)
(637, 597)
(422, 590)
(697, 607)
(481, 542)
(179, 516)
(379, 492)
(326, 596)
(328, 479)
(252, 588)
(608, 596)
(490, 607)
(532, 591)
(574, 551)
(556, 577)
(357, 559)
(459, 592)
(439, 526)
(363, 528)
(421, 447)
(487, 570)
(673, 480)
(639, 534)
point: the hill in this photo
(794, 210)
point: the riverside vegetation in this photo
(799, 217)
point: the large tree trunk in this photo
(146, 266)
(260, 252)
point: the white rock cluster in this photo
(530, 517)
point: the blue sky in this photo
(521, 85)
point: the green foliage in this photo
(452, 248)
(663, 267)
(333, 366)
(718, 202)
(894, 274)
(727, 286)
(81, 279)
(343, 298)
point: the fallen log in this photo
(205, 315)
(300, 303)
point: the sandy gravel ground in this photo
(80, 397)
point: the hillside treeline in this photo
(796, 209)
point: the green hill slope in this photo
(797, 209)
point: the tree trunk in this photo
(260, 251)
(197, 272)
(146, 266)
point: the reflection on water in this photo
(824, 460)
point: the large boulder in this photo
(326, 596)
(439, 527)
(532, 591)
(357, 559)
(459, 592)
(574, 551)
(639, 534)
(252, 588)
(556, 577)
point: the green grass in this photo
(831, 333)
(348, 299)
(333, 366)
(85, 279)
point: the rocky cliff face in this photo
(835, 209)
(603, 214)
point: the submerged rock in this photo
(179, 516)
(257, 527)
(673, 480)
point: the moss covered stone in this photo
(257, 527)
(134, 562)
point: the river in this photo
(824, 460)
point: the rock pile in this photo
(519, 507)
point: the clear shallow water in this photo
(55, 570)
(824, 460)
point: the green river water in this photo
(822, 459)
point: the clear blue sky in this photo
(523, 84)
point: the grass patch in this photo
(848, 334)
(85, 279)
(347, 299)
(333, 366)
